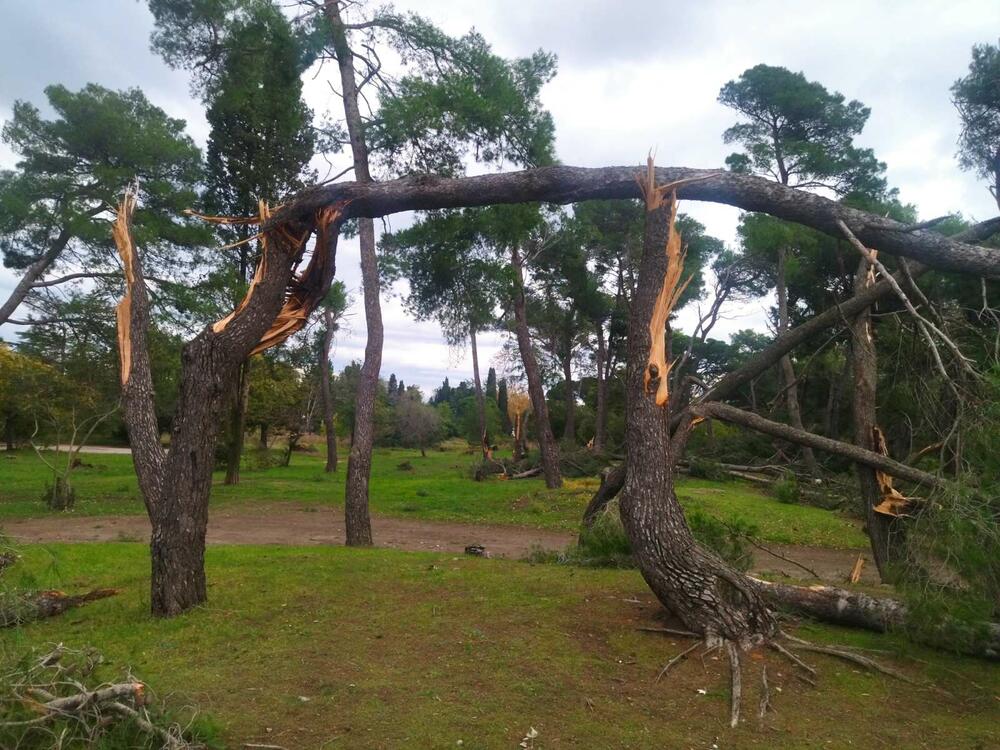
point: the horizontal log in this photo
(756, 422)
(564, 184)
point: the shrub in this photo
(786, 489)
(605, 545)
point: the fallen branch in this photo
(44, 604)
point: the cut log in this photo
(860, 610)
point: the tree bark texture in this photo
(789, 384)
(563, 184)
(356, 514)
(703, 592)
(325, 377)
(864, 367)
(543, 426)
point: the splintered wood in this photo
(657, 375)
(121, 231)
(894, 503)
(305, 290)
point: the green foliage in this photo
(799, 133)
(34, 672)
(977, 97)
(951, 573)
(786, 489)
(727, 539)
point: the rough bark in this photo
(563, 184)
(480, 401)
(788, 379)
(543, 427)
(357, 518)
(601, 415)
(864, 368)
(855, 453)
(175, 485)
(356, 515)
(325, 393)
(857, 609)
(703, 592)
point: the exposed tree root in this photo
(786, 646)
(765, 693)
(736, 675)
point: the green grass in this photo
(336, 647)
(439, 487)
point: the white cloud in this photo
(633, 76)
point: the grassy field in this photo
(438, 487)
(334, 647)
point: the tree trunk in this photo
(326, 395)
(565, 184)
(237, 424)
(546, 440)
(569, 428)
(480, 401)
(264, 436)
(359, 463)
(601, 417)
(789, 384)
(701, 590)
(612, 481)
(864, 366)
(800, 437)
(8, 432)
(357, 518)
(32, 273)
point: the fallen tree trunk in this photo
(859, 610)
(729, 413)
(564, 184)
(43, 604)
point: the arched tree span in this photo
(177, 499)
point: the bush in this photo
(786, 489)
(59, 495)
(605, 545)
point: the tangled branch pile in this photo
(54, 700)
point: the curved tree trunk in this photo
(359, 464)
(480, 402)
(32, 274)
(326, 395)
(865, 370)
(703, 592)
(788, 380)
(543, 427)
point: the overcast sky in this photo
(633, 75)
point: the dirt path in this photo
(308, 525)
